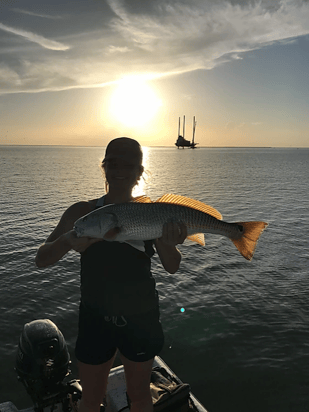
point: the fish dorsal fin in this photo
(142, 199)
(198, 238)
(186, 201)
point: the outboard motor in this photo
(42, 363)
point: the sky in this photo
(84, 72)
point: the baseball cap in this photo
(124, 148)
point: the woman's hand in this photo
(79, 244)
(63, 238)
(173, 233)
(52, 251)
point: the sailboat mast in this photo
(184, 121)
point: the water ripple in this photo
(244, 328)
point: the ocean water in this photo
(242, 341)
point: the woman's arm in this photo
(51, 252)
(63, 238)
(173, 234)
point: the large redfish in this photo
(143, 219)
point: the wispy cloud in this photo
(11, 78)
(31, 13)
(114, 49)
(159, 39)
(35, 38)
(201, 34)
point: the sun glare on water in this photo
(134, 102)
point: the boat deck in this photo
(116, 393)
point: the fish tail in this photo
(246, 244)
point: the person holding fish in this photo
(119, 307)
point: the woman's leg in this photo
(138, 384)
(94, 382)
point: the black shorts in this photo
(138, 337)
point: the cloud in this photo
(114, 49)
(35, 38)
(200, 34)
(157, 39)
(30, 13)
(11, 78)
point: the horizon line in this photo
(200, 147)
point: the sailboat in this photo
(181, 141)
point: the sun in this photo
(134, 103)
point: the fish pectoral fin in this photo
(194, 204)
(142, 199)
(112, 233)
(198, 238)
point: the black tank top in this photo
(116, 279)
